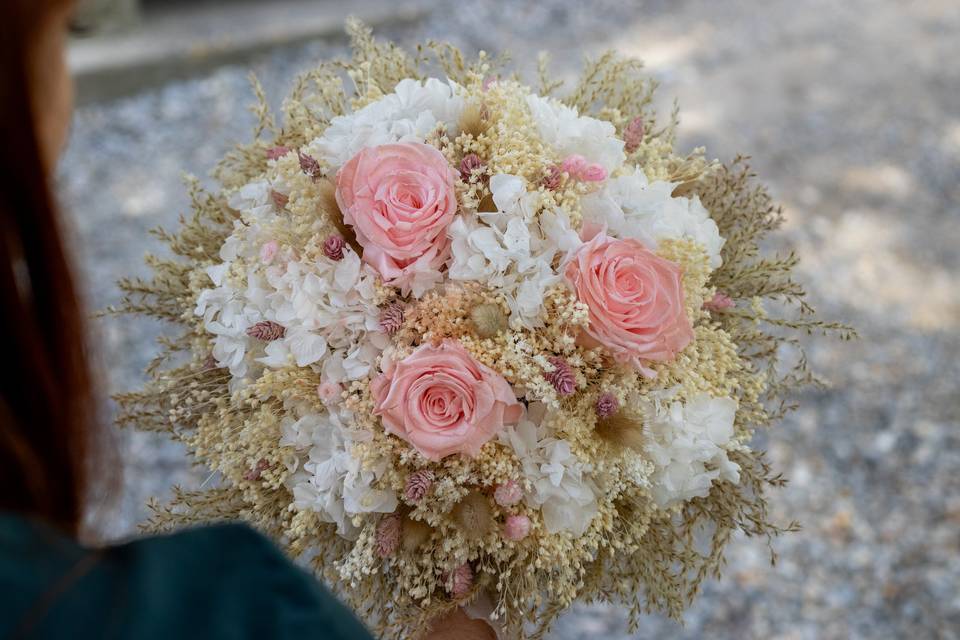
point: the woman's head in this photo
(45, 403)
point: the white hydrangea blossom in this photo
(688, 444)
(227, 309)
(409, 114)
(512, 250)
(633, 207)
(325, 476)
(560, 484)
(569, 133)
(327, 308)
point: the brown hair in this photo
(45, 406)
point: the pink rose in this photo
(442, 401)
(634, 298)
(400, 199)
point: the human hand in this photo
(457, 625)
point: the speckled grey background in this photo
(851, 111)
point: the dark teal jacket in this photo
(220, 582)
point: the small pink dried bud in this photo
(562, 377)
(633, 134)
(269, 251)
(460, 582)
(418, 484)
(508, 494)
(574, 165)
(333, 247)
(607, 405)
(254, 474)
(489, 80)
(275, 153)
(210, 363)
(388, 535)
(593, 172)
(267, 331)
(309, 165)
(554, 178)
(470, 162)
(718, 302)
(329, 391)
(279, 200)
(391, 318)
(516, 527)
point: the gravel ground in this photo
(850, 112)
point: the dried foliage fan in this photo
(605, 475)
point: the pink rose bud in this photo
(607, 405)
(275, 153)
(268, 251)
(443, 389)
(562, 377)
(593, 173)
(516, 527)
(574, 165)
(267, 331)
(634, 301)
(403, 234)
(508, 494)
(329, 391)
(633, 134)
(461, 581)
(333, 247)
(719, 302)
(418, 484)
(388, 534)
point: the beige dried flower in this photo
(488, 319)
(473, 516)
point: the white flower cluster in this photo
(327, 308)
(570, 133)
(325, 477)
(630, 206)
(512, 250)
(560, 484)
(409, 114)
(687, 443)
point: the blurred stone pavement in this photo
(851, 112)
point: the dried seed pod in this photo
(516, 527)
(561, 377)
(459, 581)
(623, 429)
(388, 535)
(473, 516)
(418, 484)
(267, 331)
(472, 119)
(633, 134)
(309, 165)
(391, 318)
(414, 534)
(508, 494)
(488, 319)
(607, 405)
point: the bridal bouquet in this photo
(454, 341)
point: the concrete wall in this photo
(100, 16)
